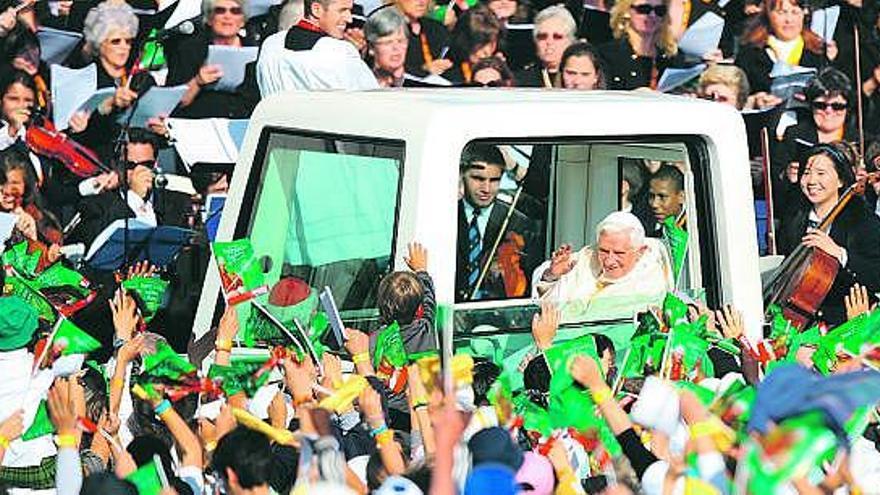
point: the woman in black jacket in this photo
(854, 236)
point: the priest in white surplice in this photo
(622, 274)
(314, 54)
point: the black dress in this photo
(757, 64)
(185, 64)
(858, 231)
(626, 70)
(432, 37)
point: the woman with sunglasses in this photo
(780, 33)
(224, 25)
(830, 119)
(854, 237)
(554, 31)
(644, 45)
(110, 31)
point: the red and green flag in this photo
(389, 348)
(67, 290)
(241, 275)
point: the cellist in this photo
(854, 236)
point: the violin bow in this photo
(497, 241)
(860, 118)
(768, 191)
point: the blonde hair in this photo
(620, 19)
(730, 76)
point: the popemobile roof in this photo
(496, 113)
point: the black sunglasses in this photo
(129, 165)
(645, 9)
(823, 105)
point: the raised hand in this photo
(124, 311)
(417, 260)
(586, 371)
(857, 302)
(62, 411)
(544, 325)
(731, 322)
(562, 261)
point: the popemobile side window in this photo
(600, 228)
(323, 212)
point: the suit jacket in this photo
(533, 77)
(493, 286)
(624, 70)
(858, 231)
(437, 37)
(101, 210)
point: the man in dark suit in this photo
(141, 201)
(481, 217)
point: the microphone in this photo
(185, 28)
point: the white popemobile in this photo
(331, 186)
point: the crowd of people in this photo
(692, 406)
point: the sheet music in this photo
(70, 89)
(203, 140)
(674, 78)
(703, 35)
(232, 61)
(56, 45)
(156, 102)
(7, 223)
(824, 22)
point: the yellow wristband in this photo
(384, 438)
(117, 383)
(360, 357)
(224, 345)
(703, 429)
(66, 441)
(601, 396)
(210, 446)
(4, 443)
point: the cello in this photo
(803, 280)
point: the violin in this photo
(515, 281)
(47, 141)
(802, 282)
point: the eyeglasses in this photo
(231, 10)
(119, 41)
(646, 9)
(546, 36)
(828, 106)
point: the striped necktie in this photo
(474, 249)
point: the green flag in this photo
(41, 426)
(535, 418)
(560, 355)
(847, 338)
(241, 275)
(685, 352)
(165, 363)
(389, 347)
(238, 377)
(65, 289)
(23, 262)
(21, 288)
(73, 340)
(318, 327)
(147, 479)
(677, 239)
(791, 450)
(151, 292)
(674, 310)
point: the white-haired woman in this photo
(224, 25)
(109, 32)
(555, 30)
(386, 34)
(644, 44)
